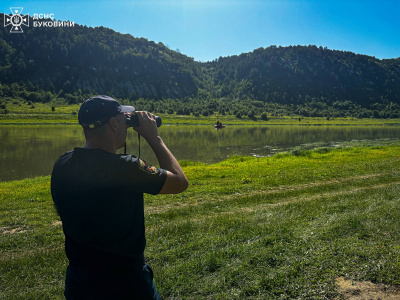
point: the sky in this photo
(208, 29)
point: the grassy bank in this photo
(40, 113)
(261, 228)
(65, 118)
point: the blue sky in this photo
(208, 29)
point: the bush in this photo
(264, 117)
(251, 114)
(299, 152)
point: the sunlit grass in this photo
(262, 228)
(42, 113)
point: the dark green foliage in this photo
(95, 60)
(72, 64)
(264, 117)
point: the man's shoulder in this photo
(137, 162)
(127, 157)
(85, 153)
(65, 156)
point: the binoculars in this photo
(133, 120)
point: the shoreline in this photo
(64, 119)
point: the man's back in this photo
(99, 197)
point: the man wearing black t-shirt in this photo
(99, 197)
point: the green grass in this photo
(41, 113)
(283, 227)
(71, 118)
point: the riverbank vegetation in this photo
(25, 112)
(286, 226)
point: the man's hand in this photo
(147, 125)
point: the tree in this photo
(264, 117)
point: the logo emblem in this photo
(16, 20)
(144, 166)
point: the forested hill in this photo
(43, 64)
(97, 60)
(296, 74)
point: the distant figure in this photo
(99, 197)
(219, 125)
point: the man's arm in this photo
(176, 181)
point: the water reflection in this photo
(28, 151)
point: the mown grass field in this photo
(283, 227)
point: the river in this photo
(28, 151)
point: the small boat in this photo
(219, 126)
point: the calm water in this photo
(28, 151)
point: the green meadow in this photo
(42, 113)
(282, 227)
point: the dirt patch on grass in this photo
(366, 290)
(57, 223)
(10, 230)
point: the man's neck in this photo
(98, 145)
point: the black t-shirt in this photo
(99, 197)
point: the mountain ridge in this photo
(73, 63)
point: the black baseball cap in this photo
(96, 111)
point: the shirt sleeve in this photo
(145, 177)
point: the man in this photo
(99, 197)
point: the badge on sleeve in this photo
(147, 168)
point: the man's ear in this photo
(113, 123)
